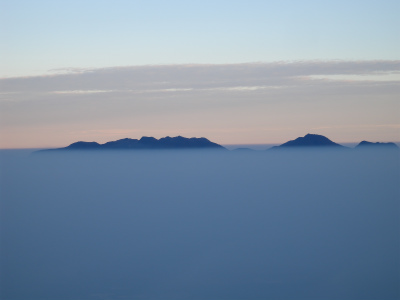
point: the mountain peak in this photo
(310, 140)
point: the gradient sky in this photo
(232, 71)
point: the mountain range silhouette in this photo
(147, 143)
(370, 145)
(179, 142)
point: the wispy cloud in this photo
(176, 78)
(82, 92)
(370, 77)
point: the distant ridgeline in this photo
(365, 145)
(320, 141)
(150, 143)
(146, 143)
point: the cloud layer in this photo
(191, 226)
(177, 77)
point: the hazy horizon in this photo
(260, 146)
(229, 104)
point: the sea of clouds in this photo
(200, 225)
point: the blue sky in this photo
(44, 35)
(252, 72)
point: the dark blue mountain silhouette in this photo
(309, 140)
(371, 145)
(179, 142)
(82, 145)
(146, 143)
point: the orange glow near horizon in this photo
(58, 139)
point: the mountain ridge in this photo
(372, 145)
(309, 141)
(146, 143)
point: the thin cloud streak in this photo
(82, 92)
(186, 77)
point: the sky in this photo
(232, 71)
